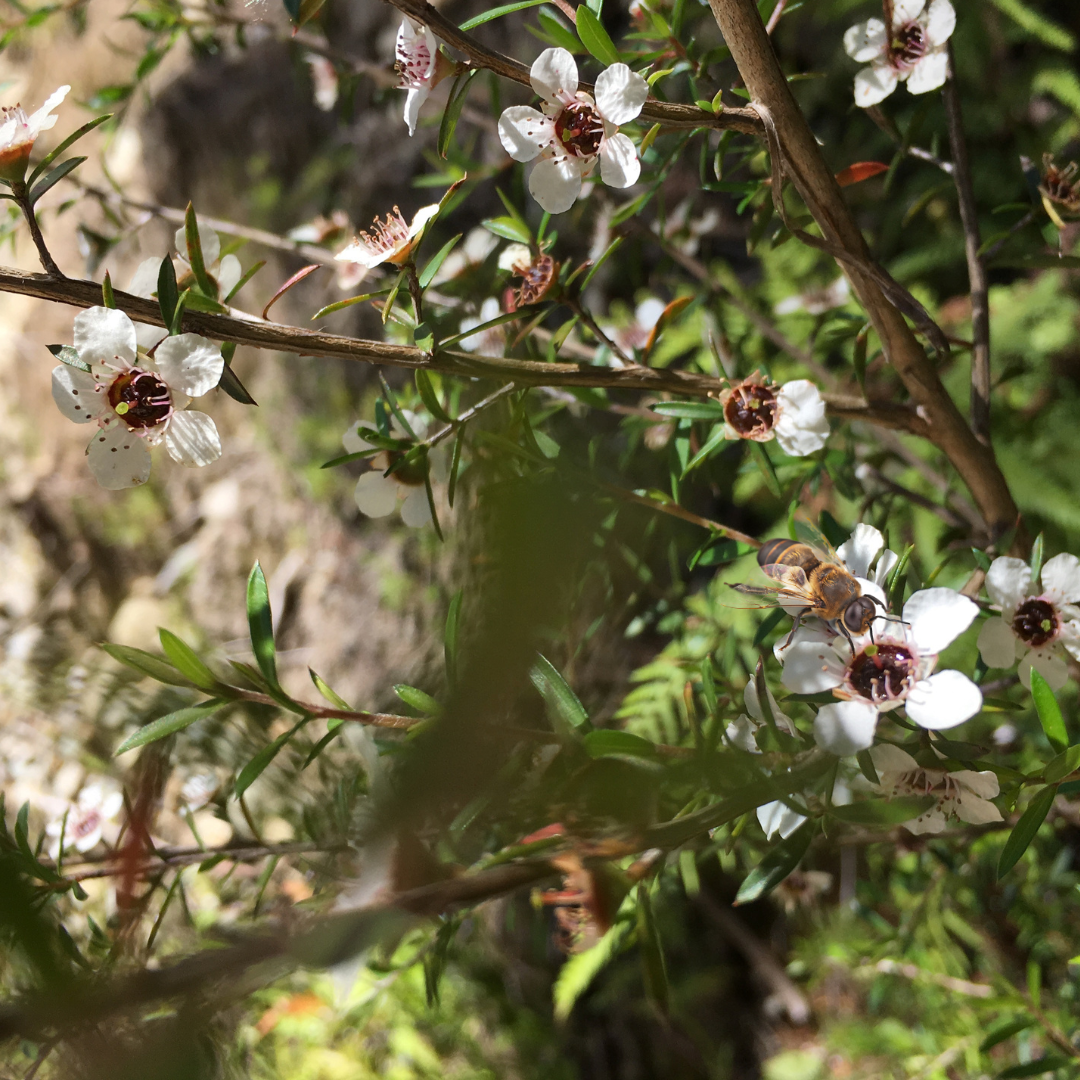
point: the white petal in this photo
(937, 617)
(619, 165)
(416, 510)
(118, 459)
(75, 393)
(1048, 664)
(906, 11)
(554, 74)
(192, 439)
(190, 363)
(376, 495)
(741, 732)
(753, 707)
(846, 727)
(42, 120)
(144, 280)
(620, 93)
(859, 550)
(208, 241)
(1061, 579)
(229, 273)
(1070, 638)
(943, 701)
(885, 566)
(647, 313)
(802, 427)
(891, 759)
(421, 218)
(1008, 582)
(939, 22)
(865, 41)
(555, 183)
(524, 132)
(353, 442)
(811, 667)
(933, 821)
(929, 73)
(997, 643)
(975, 811)
(982, 784)
(873, 85)
(776, 817)
(413, 100)
(104, 336)
(358, 252)
(514, 256)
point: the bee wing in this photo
(793, 585)
(812, 535)
(756, 590)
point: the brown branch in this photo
(980, 286)
(659, 112)
(883, 413)
(752, 51)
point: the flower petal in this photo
(1008, 582)
(802, 427)
(192, 439)
(753, 707)
(906, 11)
(1048, 664)
(943, 701)
(620, 93)
(144, 281)
(416, 510)
(937, 617)
(104, 336)
(933, 821)
(524, 132)
(776, 817)
(811, 667)
(997, 643)
(376, 495)
(555, 183)
(42, 120)
(982, 784)
(846, 727)
(554, 74)
(619, 164)
(975, 810)
(208, 241)
(229, 274)
(929, 73)
(865, 41)
(1061, 579)
(891, 759)
(413, 101)
(190, 363)
(873, 85)
(76, 394)
(118, 459)
(939, 22)
(859, 550)
(741, 733)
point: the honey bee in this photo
(813, 576)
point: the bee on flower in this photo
(793, 414)
(574, 130)
(18, 133)
(138, 402)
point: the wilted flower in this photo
(389, 241)
(538, 272)
(420, 65)
(86, 821)
(890, 666)
(1034, 626)
(574, 130)
(793, 414)
(19, 131)
(490, 342)
(1060, 186)
(964, 795)
(138, 402)
(913, 50)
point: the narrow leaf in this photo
(294, 280)
(690, 410)
(652, 952)
(417, 699)
(170, 724)
(257, 765)
(261, 624)
(498, 13)
(55, 176)
(436, 261)
(167, 291)
(146, 663)
(186, 660)
(883, 811)
(1053, 724)
(861, 170)
(1025, 829)
(195, 253)
(776, 865)
(577, 974)
(594, 37)
(324, 688)
(53, 154)
(557, 693)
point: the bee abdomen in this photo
(786, 553)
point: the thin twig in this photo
(22, 198)
(947, 515)
(774, 18)
(467, 415)
(1001, 241)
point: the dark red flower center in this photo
(751, 409)
(1035, 622)
(140, 399)
(908, 45)
(882, 672)
(580, 128)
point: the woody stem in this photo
(22, 198)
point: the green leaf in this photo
(1037, 25)
(982, 560)
(170, 724)
(557, 693)
(186, 660)
(776, 865)
(652, 952)
(883, 811)
(429, 397)
(1025, 829)
(690, 410)
(167, 291)
(231, 384)
(248, 274)
(452, 113)
(66, 354)
(715, 442)
(54, 177)
(52, 155)
(1053, 724)
(594, 269)
(1036, 560)
(764, 463)
(450, 637)
(107, 297)
(509, 229)
(594, 37)
(195, 253)
(335, 699)
(866, 766)
(261, 624)
(342, 304)
(1049, 1063)
(257, 765)
(437, 260)
(605, 742)
(177, 324)
(577, 974)
(1000, 1032)
(1066, 762)
(147, 663)
(498, 13)
(555, 31)
(418, 700)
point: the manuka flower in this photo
(1035, 624)
(742, 732)
(538, 273)
(964, 795)
(489, 342)
(574, 130)
(420, 65)
(86, 822)
(859, 553)
(389, 241)
(18, 132)
(889, 667)
(793, 414)
(138, 402)
(913, 50)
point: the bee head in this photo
(859, 614)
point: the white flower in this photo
(388, 241)
(138, 402)
(473, 250)
(1034, 626)
(965, 794)
(636, 334)
(742, 731)
(86, 820)
(890, 666)
(324, 81)
(490, 342)
(778, 817)
(378, 495)
(223, 271)
(574, 130)
(18, 132)
(793, 414)
(198, 789)
(860, 550)
(816, 301)
(913, 50)
(418, 64)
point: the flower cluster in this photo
(793, 414)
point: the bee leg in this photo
(844, 631)
(795, 626)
